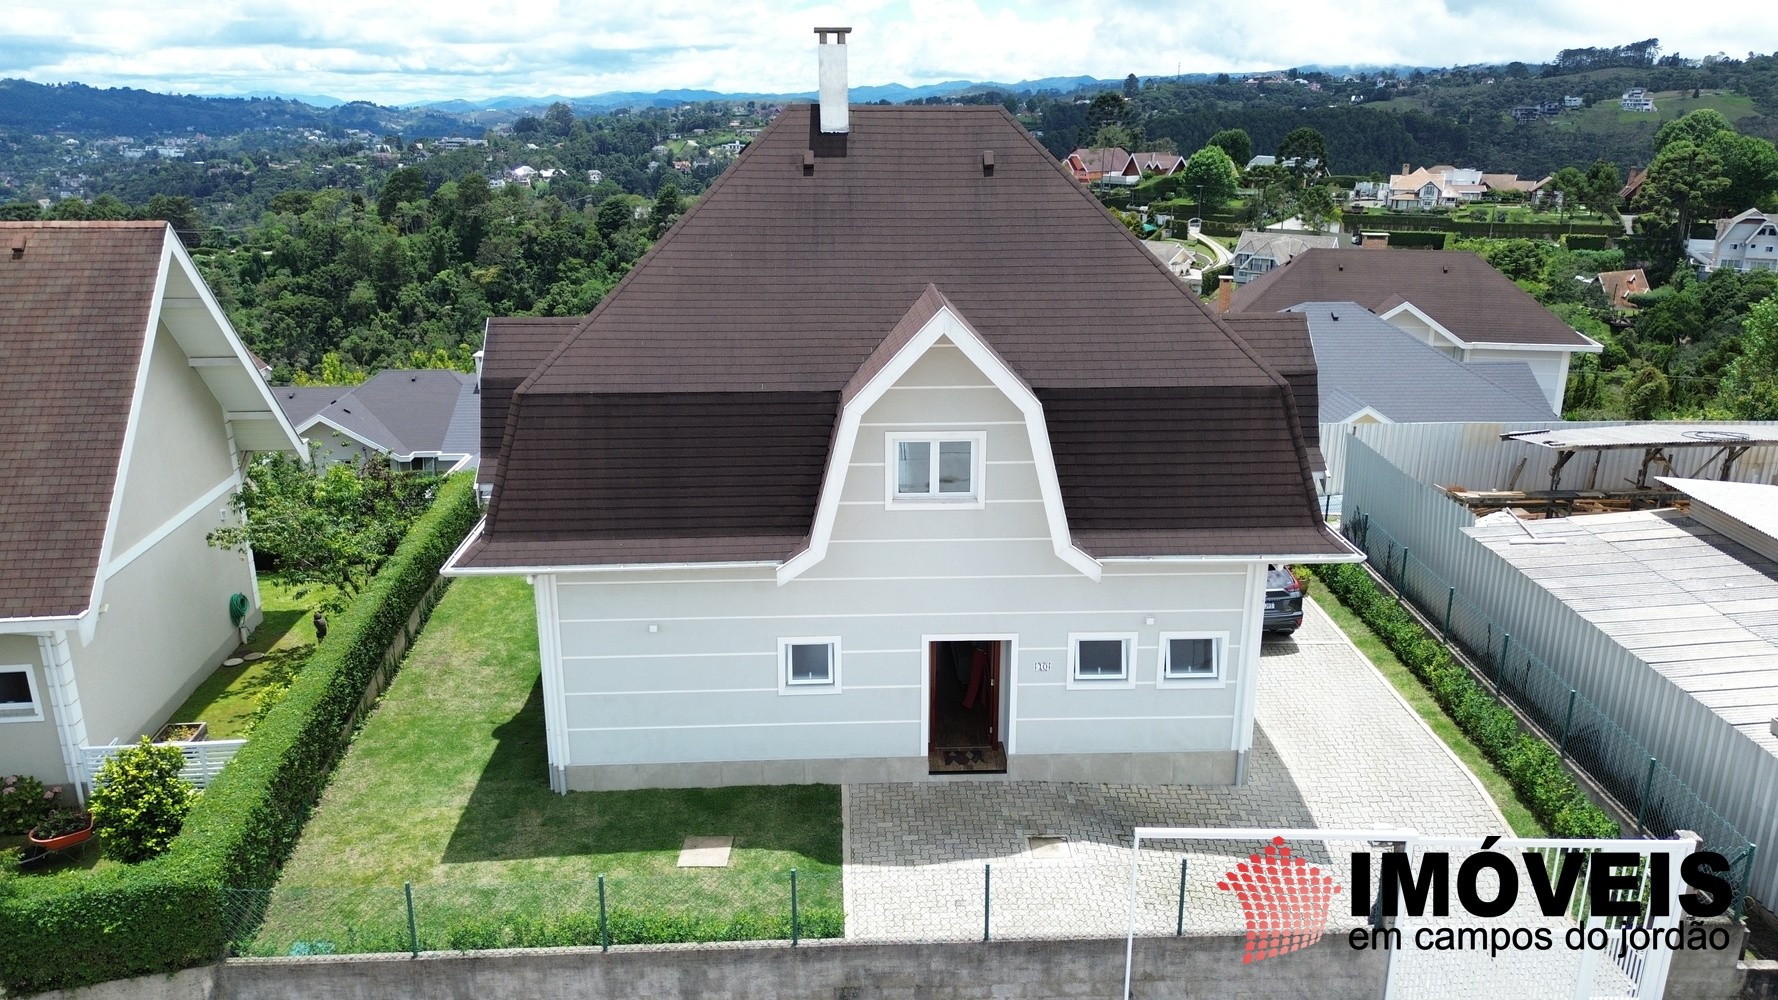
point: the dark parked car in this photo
(1284, 600)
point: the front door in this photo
(965, 710)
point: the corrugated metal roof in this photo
(1656, 434)
(1693, 604)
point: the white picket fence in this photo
(204, 759)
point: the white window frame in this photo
(1218, 675)
(1126, 680)
(829, 686)
(17, 715)
(975, 499)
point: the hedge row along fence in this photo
(81, 927)
(1532, 766)
(1356, 222)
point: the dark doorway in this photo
(964, 731)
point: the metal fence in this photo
(693, 905)
(1583, 733)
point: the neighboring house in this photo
(131, 403)
(1442, 186)
(1618, 286)
(1164, 164)
(1105, 165)
(1572, 102)
(1747, 242)
(1638, 176)
(1371, 372)
(425, 419)
(1450, 299)
(1637, 99)
(1178, 259)
(1259, 252)
(1367, 194)
(1502, 183)
(854, 477)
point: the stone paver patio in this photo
(1334, 747)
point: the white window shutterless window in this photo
(1191, 658)
(18, 694)
(1101, 660)
(809, 665)
(930, 470)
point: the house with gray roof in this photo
(856, 477)
(424, 419)
(1451, 300)
(134, 407)
(1259, 252)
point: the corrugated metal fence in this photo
(1669, 760)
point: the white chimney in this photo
(833, 80)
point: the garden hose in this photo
(238, 608)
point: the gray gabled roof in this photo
(400, 412)
(1282, 245)
(1363, 360)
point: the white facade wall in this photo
(1550, 368)
(673, 677)
(164, 624)
(28, 747)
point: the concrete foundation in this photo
(1212, 767)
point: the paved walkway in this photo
(1334, 747)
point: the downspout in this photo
(64, 701)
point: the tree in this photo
(1304, 153)
(1572, 186)
(1162, 145)
(405, 184)
(1603, 184)
(613, 215)
(1749, 386)
(1694, 127)
(1113, 135)
(1315, 206)
(666, 209)
(1211, 172)
(180, 213)
(1235, 142)
(1683, 179)
(1132, 86)
(559, 120)
(1646, 392)
(1107, 109)
(329, 527)
(1751, 166)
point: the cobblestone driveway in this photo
(1335, 747)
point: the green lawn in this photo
(446, 788)
(1517, 814)
(227, 699)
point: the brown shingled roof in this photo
(512, 348)
(699, 400)
(74, 304)
(1456, 288)
(1283, 340)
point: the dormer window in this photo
(930, 469)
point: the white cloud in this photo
(411, 49)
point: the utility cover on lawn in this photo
(705, 852)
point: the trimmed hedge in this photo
(1411, 240)
(1586, 241)
(81, 927)
(1530, 764)
(1428, 222)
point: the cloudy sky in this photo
(396, 51)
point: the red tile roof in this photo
(74, 305)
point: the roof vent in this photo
(18, 245)
(832, 70)
(987, 163)
(808, 161)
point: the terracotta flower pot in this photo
(64, 841)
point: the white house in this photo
(1747, 242)
(1637, 99)
(856, 478)
(132, 403)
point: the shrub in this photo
(23, 802)
(140, 800)
(170, 913)
(1529, 764)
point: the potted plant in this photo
(183, 732)
(62, 829)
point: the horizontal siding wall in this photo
(704, 686)
(1731, 773)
